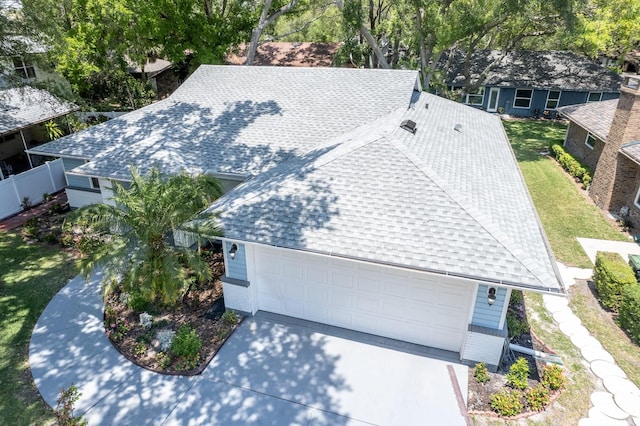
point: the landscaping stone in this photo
(571, 328)
(604, 369)
(566, 316)
(603, 401)
(594, 352)
(555, 303)
(629, 402)
(621, 386)
(604, 420)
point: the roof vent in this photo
(426, 106)
(458, 127)
(409, 126)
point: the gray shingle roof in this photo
(25, 106)
(632, 150)
(595, 117)
(238, 120)
(440, 200)
(537, 69)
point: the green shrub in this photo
(537, 398)
(610, 276)
(137, 302)
(518, 374)
(516, 326)
(553, 377)
(186, 342)
(66, 239)
(571, 165)
(629, 315)
(516, 297)
(30, 228)
(507, 402)
(481, 373)
(230, 317)
(51, 237)
(64, 410)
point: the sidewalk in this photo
(19, 219)
(619, 404)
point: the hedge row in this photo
(629, 316)
(611, 276)
(571, 165)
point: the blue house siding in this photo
(236, 268)
(538, 104)
(486, 315)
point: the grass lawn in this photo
(30, 275)
(563, 210)
(566, 214)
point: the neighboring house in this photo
(160, 74)
(352, 199)
(23, 112)
(607, 138)
(288, 54)
(533, 83)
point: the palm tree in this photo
(135, 234)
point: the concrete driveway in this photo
(273, 370)
(277, 370)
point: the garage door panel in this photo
(405, 305)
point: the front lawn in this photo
(564, 211)
(30, 275)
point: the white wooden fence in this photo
(34, 183)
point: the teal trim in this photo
(486, 315)
(237, 267)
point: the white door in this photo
(411, 306)
(494, 94)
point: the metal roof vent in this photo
(458, 127)
(409, 126)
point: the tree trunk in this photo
(264, 22)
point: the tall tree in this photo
(134, 234)
(270, 13)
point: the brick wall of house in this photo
(614, 180)
(575, 144)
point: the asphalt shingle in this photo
(25, 106)
(595, 117)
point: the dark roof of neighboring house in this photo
(559, 70)
(594, 117)
(25, 106)
(289, 54)
(151, 68)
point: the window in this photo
(476, 97)
(637, 199)
(23, 68)
(553, 98)
(590, 141)
(95, 183)
(594, 97)
(523, 98)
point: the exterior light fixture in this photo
(491, 295)
(234, 249)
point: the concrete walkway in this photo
(271, 371)
(619, 404)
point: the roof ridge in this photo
(458, 198)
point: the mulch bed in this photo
(193, 311)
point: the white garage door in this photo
(410, 306)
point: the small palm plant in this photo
(135, 234)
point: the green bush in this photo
(481, 373)
(516, 326)
(518, 374)
(571, 165)
(230, 317)
(610, 276)
(507, 402)
(138, 303)
(186, 342)
(537, 398)
(516, 297)
(553, 377)
(629, 315)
